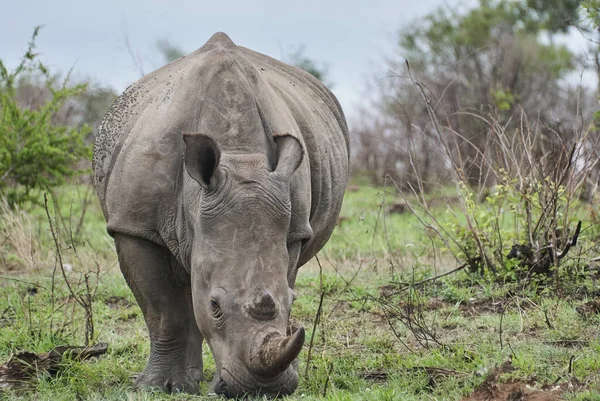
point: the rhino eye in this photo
(215, 309)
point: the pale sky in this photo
(349, 36)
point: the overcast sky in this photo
(349, 36)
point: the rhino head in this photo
(239, 264)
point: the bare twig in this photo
(316, 320)
(427, 280)
(137, 60)
(329, 371)
(59, 253)
(501, 321)
(86, 300)
(25, 366)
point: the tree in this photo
(95, 102)
(489, 60)
(592, 8)
(554, 16)
(35, 152)
(169, 51)
(87, 107)
(300, 60)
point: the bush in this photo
(36, 153)
(537, 222)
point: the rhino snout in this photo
(236, 381)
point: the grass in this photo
(364, 347)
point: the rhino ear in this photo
(289, 155)
(202, 155)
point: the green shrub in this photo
(517, 232)
(35, 153)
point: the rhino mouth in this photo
(233, 385)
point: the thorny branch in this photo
(85, 301)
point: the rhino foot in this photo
(181, 381)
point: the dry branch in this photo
(316, 320)
(23, 367)
(419, 283)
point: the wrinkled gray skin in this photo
(219, 175)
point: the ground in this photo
(464, 337)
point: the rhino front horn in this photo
(273, 353)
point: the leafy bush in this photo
(536, 224)
(35, 153)
(515, 234)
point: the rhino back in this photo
(138, 163)
(314, 114)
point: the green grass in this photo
(363, 349)
(366, 231)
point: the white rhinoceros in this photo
(220, 175)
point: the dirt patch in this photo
(471, 308)
(7, 317)
(117, 302)
(388, 290)
(517, 391)
(435, 303)
(130, 317)
(435, 374)
(429, 305)
(374, 375)
(589, 309)
(481, 307)
(491, 390)
(399, 207)
(568, 343)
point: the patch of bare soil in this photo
(517, 391)
(117, 302)
(399, 207)
(471, 308)
(374, 375)
(435, 374)
(429, 305)
(568, 343)
(491, 390)
(130, 317)
(481, 307)
(7, 317)
(589, 309)
(388, 290)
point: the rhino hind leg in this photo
(162, 289)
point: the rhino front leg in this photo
(162, 289)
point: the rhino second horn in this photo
(276, 352)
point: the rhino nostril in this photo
(266, 301)
(263, 306)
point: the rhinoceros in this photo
(219, 175)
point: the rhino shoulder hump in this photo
(220, 39)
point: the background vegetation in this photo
(465, 260)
